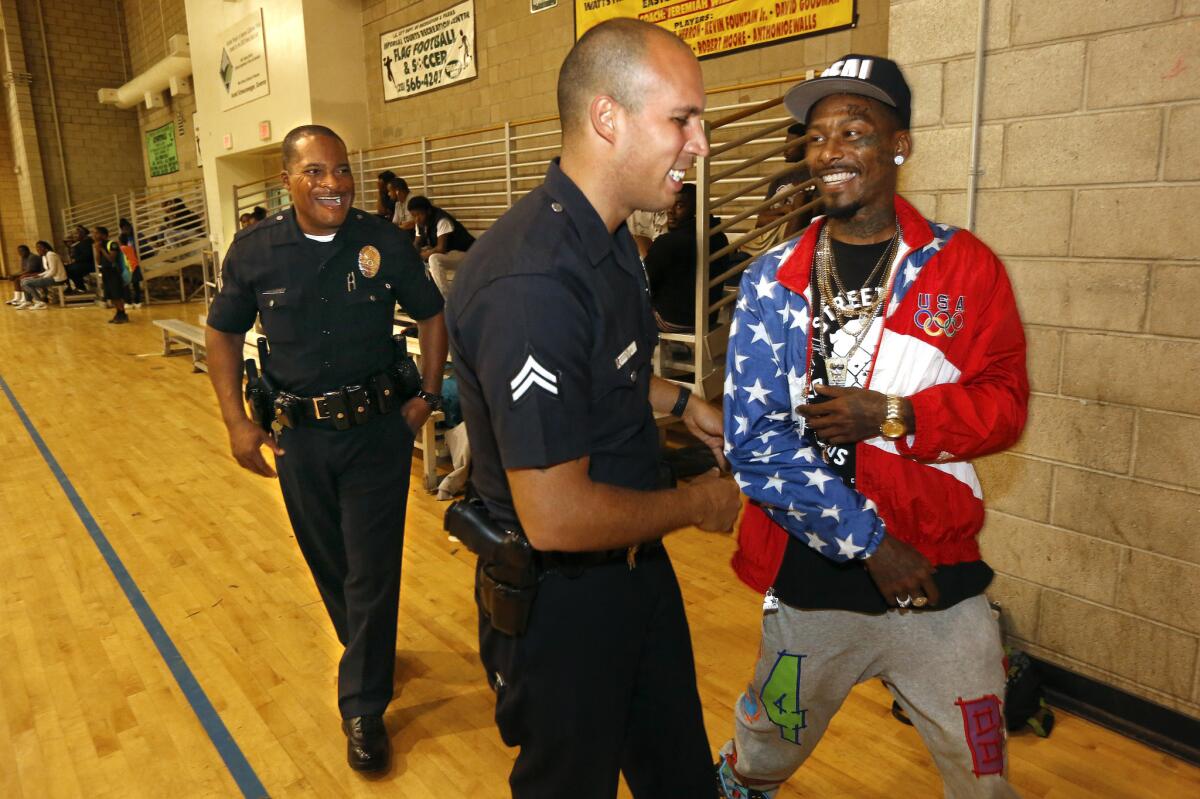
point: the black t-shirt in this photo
(327, 308)
(807, 579)
(552, 336)
(81, 253)
(671, 267)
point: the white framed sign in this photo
(429, 54)
(243, 66)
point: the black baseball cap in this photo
(866, 75)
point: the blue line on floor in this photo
(239, 768)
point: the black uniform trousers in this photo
(602, 682)
(346, 492)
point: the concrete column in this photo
(27, 155)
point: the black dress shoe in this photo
(367, 745)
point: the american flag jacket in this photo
(952, 343)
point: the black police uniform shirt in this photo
(327, 308)
(551, 333)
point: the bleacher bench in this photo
(60, 292)
(180, 337)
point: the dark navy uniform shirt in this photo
(551, 333)
(327, 308)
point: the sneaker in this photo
(38, 306)
(22, 305)
(729, 788)
(135, 305)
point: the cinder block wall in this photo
(519, 55)
(1089, 193)
(99, 143)
(148, 26)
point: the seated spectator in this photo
(442, 240)
(385, 206)
(794, 154)
(31, 266)
(181, 224)
(82, 262)
(671, 266)
(398, 190)
(53, 272)
(646, 226)
(258, 214)
(245, 221)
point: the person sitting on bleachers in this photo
(385, 206)
(794, 176)
(82, 261)
(52, 272)
(31, 266)
(645, 227)
(442, 240)
(397, 189)
(671, 266)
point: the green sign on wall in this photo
(160, 151)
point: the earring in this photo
(899, 159)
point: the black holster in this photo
(259, 397)
(507, 574)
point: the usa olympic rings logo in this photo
(937, 320)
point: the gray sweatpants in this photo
(944, 667)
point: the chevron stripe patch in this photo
(533, 374)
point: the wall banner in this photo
(717, 27)
(432, 53)
(161, 152)
(244, 62)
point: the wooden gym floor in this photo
(91, 703)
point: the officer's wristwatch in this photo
(434, 401)
(893, 426)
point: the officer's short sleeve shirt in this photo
(327, 308)
(552, 336)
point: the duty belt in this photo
(345, 407)
(574, 563)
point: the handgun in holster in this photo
(259, 395)
(404, 371)
(507, 574)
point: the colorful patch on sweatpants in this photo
(984, 726)
(781, 697)
(751, 709)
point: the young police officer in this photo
(325, 279)
(552, 334)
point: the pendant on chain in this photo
(836, 371)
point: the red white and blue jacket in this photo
(952, 343)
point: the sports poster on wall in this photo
(717, 27)
(161, 152)
(243, 67)
(433, 53)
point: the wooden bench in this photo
(181, 337)
(59, 291)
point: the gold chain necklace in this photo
(837, 368)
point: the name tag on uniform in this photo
(629, 352)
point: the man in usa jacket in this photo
(869, 361)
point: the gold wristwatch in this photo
(893, 426)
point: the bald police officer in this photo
(552, 332)
(325, 279)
